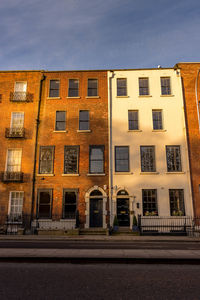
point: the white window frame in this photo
(10, 198)
(12, 118)
(6, 166)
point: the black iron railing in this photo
(17, 132)
(153, 225)
(12, 176)
(21, 97)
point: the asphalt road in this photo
(100, 245)
(105, 281)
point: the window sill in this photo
(78, 97)
(134, 130)
(159, 130)
(175, 172)
(149, 173)
(83, 131)
(47, 175)
(123, 173)
(60, 131)
(53, 98)
(69, 175)
(95, 97)
(166, 95)
(100, 174)
(122, 96)
(145, 96)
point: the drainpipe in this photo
(110, 145)
(197, 102)
(36, 142)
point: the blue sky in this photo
(98, 34)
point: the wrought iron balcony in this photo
(14, 218)
(17, 132)
(21, 97)
(12, 177)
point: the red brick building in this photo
(190, 73)
(19, 98)
(72, 153)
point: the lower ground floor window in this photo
(16, 203)
(69, 203)
(176, 197)
(44, 203)
(149, 200)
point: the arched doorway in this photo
(96, 209)
(123, 208)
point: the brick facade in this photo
(189, 73)
(27, 144)
(48, 136)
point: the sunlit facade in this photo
(148, 155)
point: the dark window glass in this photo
(96, 164)
(71, 156)
(143, 86)
(157, 119)
(69, 204)
(46, 160)
(121, 87)
(133, 120)
(60, 120)
(73, 90)
(165, 86)
(92, 87)
(84, 123)
(149, 201)
(147, 158)
(121, 159)
(54, 88)
(44, 204)
(177, 207)
(173, 154)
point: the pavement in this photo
(169, 256)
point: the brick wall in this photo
(189, 74)
(98, 108)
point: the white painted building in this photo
(149, 160)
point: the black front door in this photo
(96, 212)
(123, 211)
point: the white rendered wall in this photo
(174, 133)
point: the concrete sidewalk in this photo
(103, 255)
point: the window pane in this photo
(84, 120)
(173, 158)
(147, 158)
(157, 120)
(143, 86)
(92, 87)
(121, 87)
(69, 204)
(46, 160)
(96, 159)
(165, 86)
(60, 120)
(73, 90)
(54, 88)
(44, 207)
(149, 201)
(71, 159)
(177, 207)
(133, 120)
(14, 160)
(121, 159)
